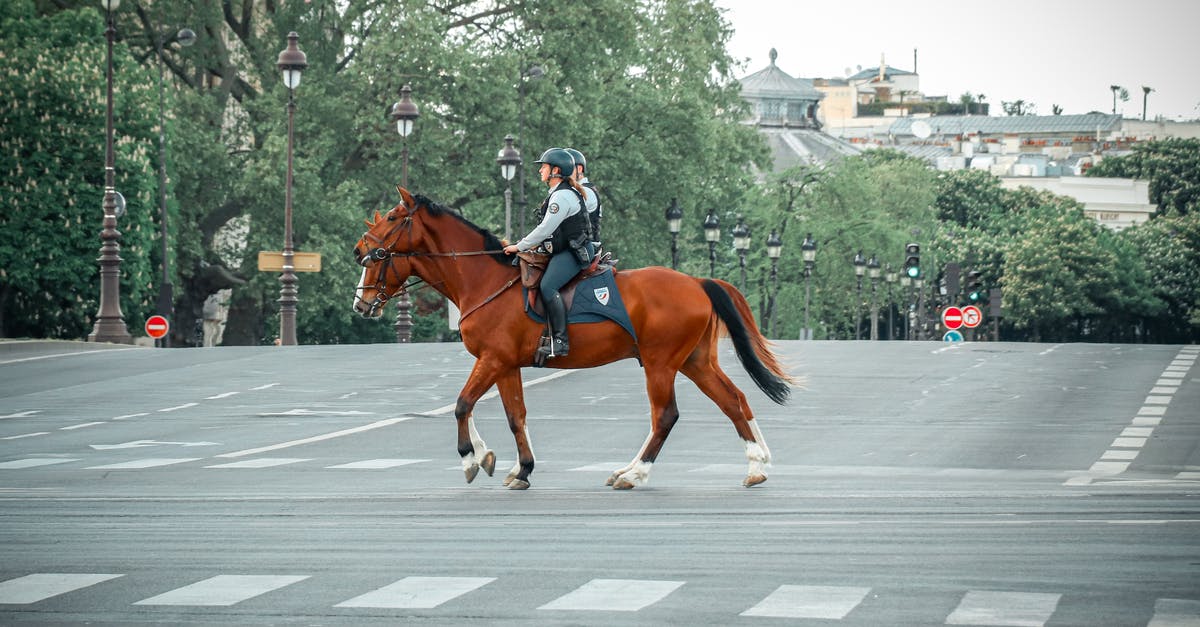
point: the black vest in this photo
(594, 216)
(575, 229)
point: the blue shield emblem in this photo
(601, 295)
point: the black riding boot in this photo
(556, 315)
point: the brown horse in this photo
(678, 319)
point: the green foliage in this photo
(52, 173)
(1172, 166)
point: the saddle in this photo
(533, 266)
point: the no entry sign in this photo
(972, 316)
(157, 326)
(952, 317)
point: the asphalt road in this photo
(913, 484)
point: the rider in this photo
(593, 197)
(565, 232)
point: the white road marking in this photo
(145, 443)
(1164, 390)
(1175, 613)
(263, 387)
(1126, 455)
(106, 350)
(1172, 375)
(34, 588)
(1129, 442)
(178, 407)
(21, 414)
(221, 395)
(1051, 349)
(445, 409)
(131, 416)
(262, 462)
(1137, 432)
(614, 595)
(25, 435)
(150, 462)
(311, 412)
(34, 462)
(380, 463)
(828, 602)
(223, 590)
(1145, 421)
(1010, 609)
(1167, 382)
(417, 592)
(1152, 411)
(80, 426)
(316, 438)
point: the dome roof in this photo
(772, 82)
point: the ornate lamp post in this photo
(808, 251)
(774, 250)
(533, 73)
(890, 276)
(674, 223)
(873, 272)
(404, 113)
(741, 243)
(166, 291)
(860, 268)
(509, 159)
(712, 234)
(906, 293)
(292, 63)
(110, 322)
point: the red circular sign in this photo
(157, 326)
(952, 317)
(972, 316)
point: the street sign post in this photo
(272, 261)
(157, 326)
(971, 316)
(952, 336)
(952, 317)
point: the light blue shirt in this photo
(563, 203)
(591, 199)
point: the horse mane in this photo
(490, 241)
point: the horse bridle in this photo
(382, 252)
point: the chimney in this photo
(914, 60)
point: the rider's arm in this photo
(562, 204)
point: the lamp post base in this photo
(111, 330)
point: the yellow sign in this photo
(272, 261)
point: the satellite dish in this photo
(921, 129)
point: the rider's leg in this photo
(562, 267)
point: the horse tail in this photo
(751, 346)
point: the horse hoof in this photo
(621, 483)
(489, 463)
(471, 471)
(753, 480)
(611, 479)
(518, 484)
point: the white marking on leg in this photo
(636, 458)
(758, 436)
(476, 440)
(468, 462)
(637, 476)
(758, 458)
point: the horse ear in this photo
(407, 198)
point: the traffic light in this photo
(912, 260)
(975, 292)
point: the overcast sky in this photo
(1049, 52)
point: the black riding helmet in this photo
(559, 158)
(578, 156)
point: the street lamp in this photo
(873, 272)
(292, 63)
(712, 234)
(808, 251)
(741, 243)
(774, 250)
(404, 113)
(533, 73)
(166, 291)
(110, 323)
(509, 159)
(890, 276)
(860, 268)
(906, 291)
(674, 223)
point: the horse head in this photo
(384, 252)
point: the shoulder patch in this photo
(553, 207)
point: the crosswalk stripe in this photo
(614, 595)
(34, 462)
(373, 464)
(1175, 613)
(1006, 609)
(417, 592)
(829, 602)
(262, 462)
(223, 590)
(151, 462)
(38, 586)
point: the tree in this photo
(1172, 166)
(1018, 107)
(52, 164)
(1118, 92)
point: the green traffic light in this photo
(913, 271)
